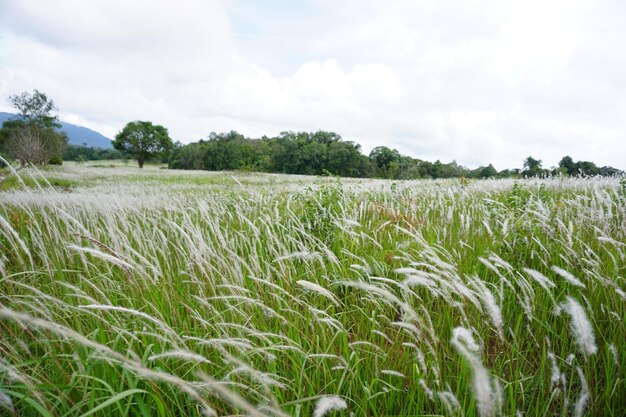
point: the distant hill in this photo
(78, 135)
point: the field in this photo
(169, 293)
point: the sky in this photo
(478, 82)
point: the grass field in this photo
(168, 293)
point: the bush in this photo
(56, 160)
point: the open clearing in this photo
(169, 293)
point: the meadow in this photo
(127, 292)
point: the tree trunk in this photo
(140, 162)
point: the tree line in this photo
(33, 138)
(321, 152)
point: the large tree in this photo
(32, 137)
(143, 141)
(532, 167)
(385, 161)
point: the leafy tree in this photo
(386, 161)
(608, 171)
(567, 165)
(32, 137)
(143, 141)
(487, 172)
(586, 168)
(532, 167)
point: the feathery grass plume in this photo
(303, 255)
(180, 354)
(391, 372)
(311, 286)
(555, 375)
(580, 326)
(167, 329)
(235, 399)
(16, 237)
(5, 402)
(579, 410)
(449, 400)
(264, 378)
(385, 295)
(102, 255)
(541, 279)
(464, 336)
(487, 392)
(328, 403)
(490, 304)
(567, 276)
(426, 389)
(613, 351)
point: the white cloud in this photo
(475, 81)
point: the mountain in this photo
(78, 135)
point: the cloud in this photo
(474, 81)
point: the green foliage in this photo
(35, 108)
(32, 137)
(143, 141)
(313, 153)
(12, 182)
(386, 161)
(85, 153)
(321, 208)
(56, 160)
(290, 153)
(532, 168)
(487, 172)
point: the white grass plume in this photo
(5, 225)
(567, 276)
(580, 326)
(303, 255)
(541, 279)
(329, 403)
(487, 392)
(450, 401)
(584, 395)
(103, 307)
(6, 403)
(464, 336)
(102, 255)
(384, 295)
(391, 372)
(180, 354)
(555, 375)
(311, 286)
(490, 305)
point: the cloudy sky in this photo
(466, 80)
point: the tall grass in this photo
(221, 294)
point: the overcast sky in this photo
(471, 81)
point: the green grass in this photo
(151, 292)
(11, 182)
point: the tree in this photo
(487, 172)
(32, 137)
(143, 141)
(385, 161)
(532, 167)
(567, 165)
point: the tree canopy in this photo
(32, 137)
(143, 141)
(322, 152)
